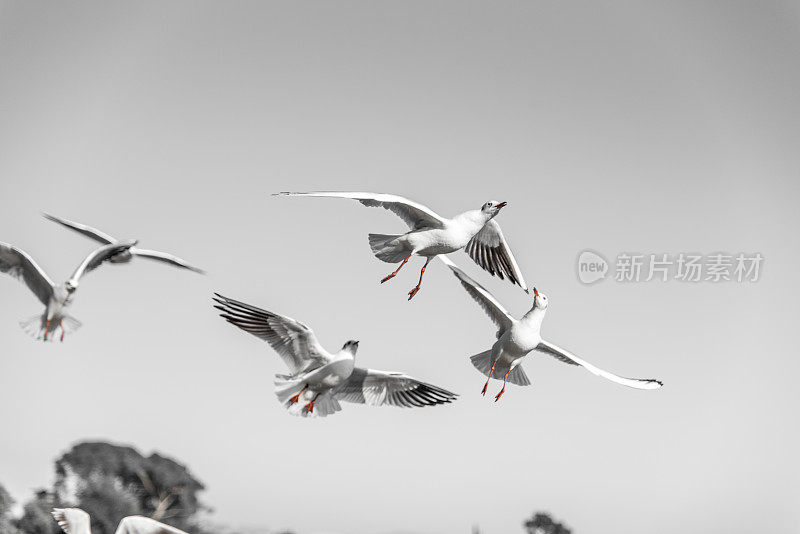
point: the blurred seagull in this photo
(322, 379)
(431, 235)
(126, 255)
(76, 521)
(517, 338)
(56, 298)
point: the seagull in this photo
(76, 521)
(431, 235)
(57, 298)
(126, 255)
(321, 379)
(516, 338)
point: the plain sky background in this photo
(646, 127)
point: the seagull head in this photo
(492, 208)
(351, 346)
(539, 300)
(70, 286)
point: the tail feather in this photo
(37, 327)
(387, 248)
(287, 387)
(483, 363)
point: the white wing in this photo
(137, 524)
(292, 340)
(489, 250)
(381, 388)
(72, 520)
(496, 312)
(167, 258)
(88, 231)
(414, 214)
(97, 257)
(568, 357)
(16, 263)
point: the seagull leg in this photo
(310, 406)
(505, 378)
(416, 289)
(491, 372)
(396, 271)
(293, 400)
(46, 328)
(61, 324)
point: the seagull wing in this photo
(381, 388)
(568, 357)
(496, 312)
(71, 520)
(136, 524)
(16, 263)
(88, 231)
(99, 256)
(292, 340)
(490, 250)
(415, 215)
(166, 258)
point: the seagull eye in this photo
(489, 204)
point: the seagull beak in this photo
(536, 293)
(501, 205)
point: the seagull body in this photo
(432, 235)
(516, 338)
(320, 378)
(76, 521)
(56, 298)
(126, 255)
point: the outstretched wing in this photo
(166, 258)
(379, 388)
(489, 250)
(99, 256)
(496, 312)
(16, 263)
(292, 340)
(415, 215)
(88, 231)
(568, 357)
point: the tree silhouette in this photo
(36, 518)
(6, 522)
(542, 523)
(111, 481)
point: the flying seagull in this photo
(431, 235)
(320, 379)
(516, 338)
(57, 298)
(126, 255)
(76, 521)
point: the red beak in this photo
(501, 205)
(535, 292)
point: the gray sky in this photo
(634, 126)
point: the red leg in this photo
(46, 328)
(505, 378)
(310, 406)
(396, 271)
(416, 289)
(61, 324)
(293, 400)
(491, 372)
